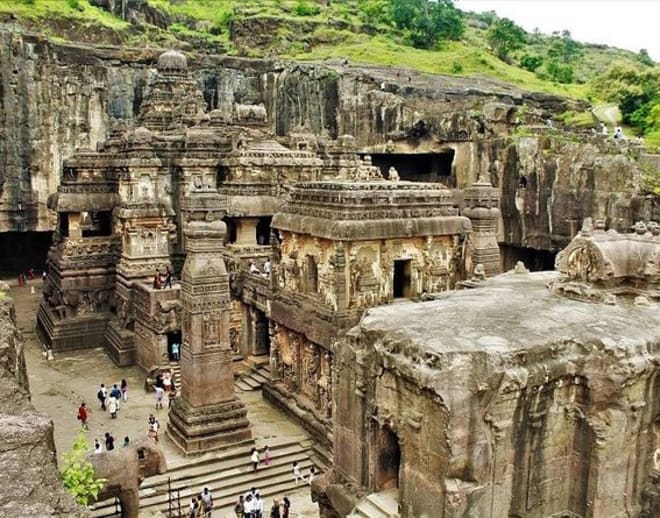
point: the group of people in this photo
(265, 271)
(110, 400)
(163, 281)
(164, 385)
(109, 443)
(29, 275)
(251, 505)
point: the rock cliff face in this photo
(59, 97)
(29, 480)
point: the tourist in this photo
(167, 381)
(43, 276)
(154, 426)
(160, 392)
(253, 267)
(286, 504)
(109, 442)
(159, 380)
(297, 475)
(30, 273)
(127, 441)
(258, 511)
(239, 508)
(82, 415)
(124, 390)
(267, 268)
(266, 459)
(275, 510)
(116, 393)
(194, 508)
(603, 129)
(97, 446)
(618, 133)
(207, 500)
(254, 458)
(312, 474)
(157, 282)
(102, 394)
(168, 278)
(248, 507)
(175, 351)
(171, 396)
(112, 407)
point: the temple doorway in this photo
(402, 278)
(418, 167)
(388, 461)
(263, 230)
(23, 251)
(174, 353)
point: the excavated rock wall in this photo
(29, 479)
(59, 97)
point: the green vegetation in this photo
(78, 473)
(426, 35)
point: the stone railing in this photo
(87, 251)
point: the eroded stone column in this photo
(207, 414)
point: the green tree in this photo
(504, 36)
(427, 22)
(564, 48)
(531, 62)
(78, 473)
(644, 58)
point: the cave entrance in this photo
(418, 167)
(401, 284)
(230, 235)
(174, 353)
(24, 250)
(263, 230)
(535, 260)
(388, 459)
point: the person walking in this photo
(97, 446)
(112, 407)
(266, 460)
(168, 278)
(160, 391)
(275, 510)
(175, 351)
(239, 507)
(286, 507)
(194, 508)
(297, 475)
(102, 394)
(312, 475)
(207, 500)
(258, 511)
(248, 507)
(82, 415)
(153, 429)
(171, 396)
(254, 458)
(124, 390)
(109, 442)
(127, 441)
(116, 393)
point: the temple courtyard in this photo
(58, 386)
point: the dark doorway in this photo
(311, 276)
(263, 230)
(261, 335)
(388, 460)
(230, 236)
(174, 353)
(96, 224)
(21, 251)
(535, 260)
(401, 282)
(221, 176)
(422, 167)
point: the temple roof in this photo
(172, 61)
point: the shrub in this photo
(78, 473)
(504, 36)
(531, 62)
(456, 68)
(306, 9)
(560, 72)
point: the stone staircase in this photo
(254, 379)
(175, 369)
(227, 474)
(378, 505)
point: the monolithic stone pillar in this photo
(207, 414)
(482, 207)
(246, 231)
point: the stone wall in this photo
(29, 479)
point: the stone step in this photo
(242, 385)
(260, 376)
(227, 477)
(378, 505)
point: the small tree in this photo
(531, 62)
(427, 22)
(644, 58)
(504, 36)
(78, 473)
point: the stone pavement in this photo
(60, 385)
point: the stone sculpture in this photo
(125, 469)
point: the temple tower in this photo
(207, 414)
(482, 202)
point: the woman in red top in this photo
(82, 415)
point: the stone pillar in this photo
(482, 207)
(75, 232)
(246, 231)
(207, 414)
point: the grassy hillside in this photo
(300, 29)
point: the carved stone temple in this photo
(376, 297)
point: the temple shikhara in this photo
(372, 304)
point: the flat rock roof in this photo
(508, 313)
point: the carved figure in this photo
(125, 469)
(393, 174)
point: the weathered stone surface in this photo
(29, 479)
(501, 400)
